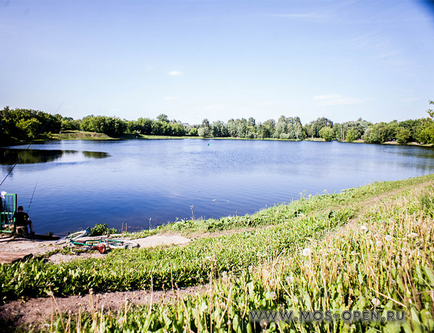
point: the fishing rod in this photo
(21, 156)
(31, 199)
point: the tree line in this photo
(23, 124)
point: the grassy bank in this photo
(305, 206)
(368, 248)
(382, 262)
(81, 135)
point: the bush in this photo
(102, 229)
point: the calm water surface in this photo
(148, 183)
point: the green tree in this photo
(268, 128)
(242, 130)
(380, 133)
(313, 128)
(163, 118)
(430, 111)
(193, 132)
(425, 132)
(232, 128)
(30, 127)
(219, 129)
(351, 135)
(177, 128)
(327, 133)
(403, 135)
(143, 125)
(205, 129)
(204, 132)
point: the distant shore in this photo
(93, 136)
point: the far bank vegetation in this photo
(22, 125)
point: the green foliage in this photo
(24, 125)
(427, 204)
(430, 111)
(380, 133)
(219, 129)
(69, 124)
(425, 132)
(204, 132)
(327, 133)
(29, 127)
(403, 135)
(288, 128)
(358, 129)
(351, 135)
(102, 229)
(111, 126)
(163, 118)
(193, 132)
(314, 127)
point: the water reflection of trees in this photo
(95, 154)
(419, 152)
(11, 156)
(33, 156)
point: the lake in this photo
(146, 183)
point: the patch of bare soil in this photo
(23, 245)
(13, 244)
(157, 240)
(33, 312)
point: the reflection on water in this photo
(95, 154)
(420, 152)
(33, 156)
(11, 156)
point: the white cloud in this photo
(326, 100)
(176, 73)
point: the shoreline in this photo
(93, 136)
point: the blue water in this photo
(145, 183)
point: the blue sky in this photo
(219, 59)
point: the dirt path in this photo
(12, 244)
(363, 206)
(34, 311)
